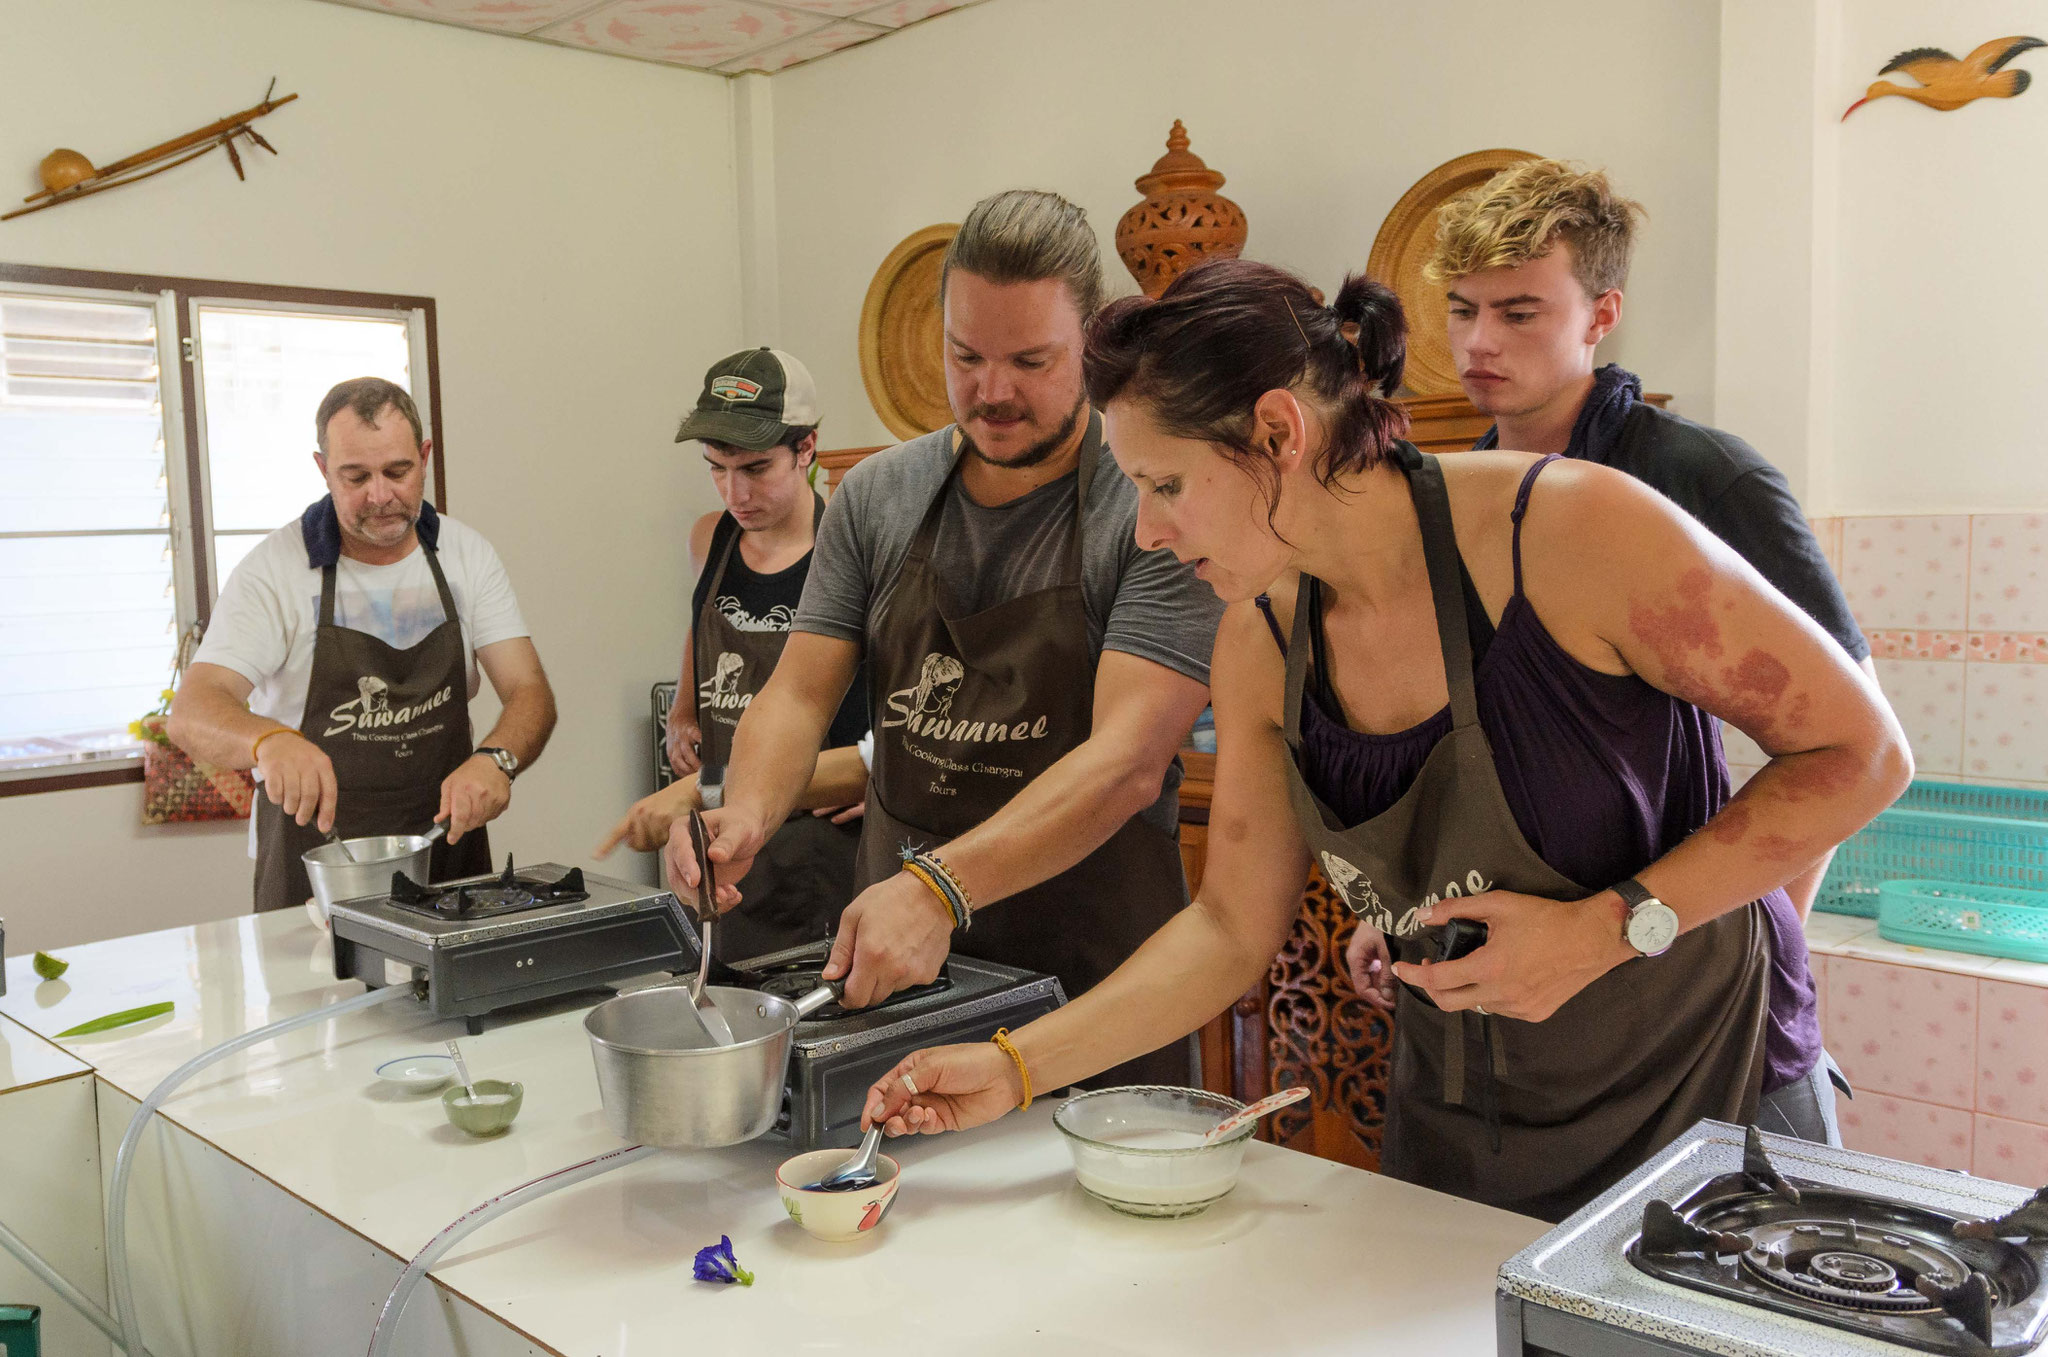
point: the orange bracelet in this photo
(256, 748)
(1002, 1041)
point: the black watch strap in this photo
(1631, 892)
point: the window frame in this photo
(177, 301)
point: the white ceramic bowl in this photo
(835, 1216)
(1137, 1149)
(417, 1073)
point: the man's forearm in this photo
(774, 754)
(525, 723)
(214, 728)
(1063, 815)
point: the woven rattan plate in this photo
(901, 332)
(1403, 246)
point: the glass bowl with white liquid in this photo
(1139, 1149)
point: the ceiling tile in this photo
(688, 32)
(825, 40)
(497, 16)
(897, 13)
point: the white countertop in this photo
(991, 1247)
(27, 1060)
(1850, 936)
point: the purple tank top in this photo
(1604, 774)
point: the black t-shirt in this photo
(1743, 500)
(755, 602)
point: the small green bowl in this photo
(484, 1118)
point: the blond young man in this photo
(1534, 263)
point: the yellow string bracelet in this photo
(256, 748)
(1002, 1040)
(918, 870)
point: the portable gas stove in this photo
(838, 1053)
(486, 942)
(1743, 1245)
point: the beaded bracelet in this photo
(1003, 1043)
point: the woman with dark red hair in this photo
(1479, 698)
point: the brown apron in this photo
(804, 875)
(1534, 1117)
(395, 723)
(967, 711)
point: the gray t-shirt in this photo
(1144, 603)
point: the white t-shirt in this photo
(264, 625)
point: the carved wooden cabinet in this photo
(1302, 1025)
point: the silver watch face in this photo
(1652, 927)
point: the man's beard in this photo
(363, 525)
(1044, 447)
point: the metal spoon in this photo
(714, 1022)
(340, 843)
(857, 1172)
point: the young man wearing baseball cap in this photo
(757, 419)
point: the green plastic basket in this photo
(1942, 831)
(1959, 917)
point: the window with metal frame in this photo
(152, 432)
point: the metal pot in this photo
(664, 1083)
(334, 877)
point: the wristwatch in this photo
(1652, 925)
(507, 761)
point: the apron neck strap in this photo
(1091, 447)
(327, 574)
(1440, 553)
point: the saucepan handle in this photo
(818, 998)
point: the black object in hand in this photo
(1461, 937)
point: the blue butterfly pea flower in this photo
(715, 1263)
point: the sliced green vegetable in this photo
(50, 967)
(121, 1019)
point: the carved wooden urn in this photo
(1182, 221)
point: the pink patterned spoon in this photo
(1258, 1109)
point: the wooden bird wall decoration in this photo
(1946, 84)
(68, 176)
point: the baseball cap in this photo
(751, 400)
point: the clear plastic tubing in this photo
(386, 1332)
(48, 1275)
(121, 1283)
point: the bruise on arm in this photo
(1752, 690)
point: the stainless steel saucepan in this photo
(665, 1081)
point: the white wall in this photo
(1321, 112)
(1879, 328)
(573, 216)
(1943, 355)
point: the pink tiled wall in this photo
(1949, 1070)
(1955, 607)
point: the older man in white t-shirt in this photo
(343, 653)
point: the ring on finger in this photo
(912, 1087)
(1481, 1011)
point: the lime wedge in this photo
(50, 967)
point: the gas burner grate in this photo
(1852, 1260)
(511, 893)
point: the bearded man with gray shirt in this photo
(1032, 671)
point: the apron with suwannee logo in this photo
(803, 875)
(968, 710)
(395, 723)
(1534, 1117)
